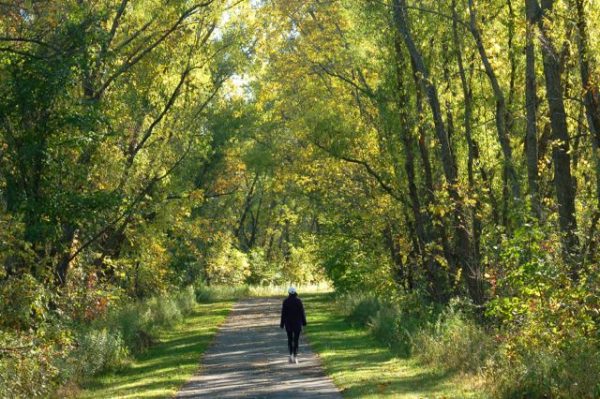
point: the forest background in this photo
(437, 161)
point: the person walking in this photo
(293, 319)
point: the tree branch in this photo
(140, 55)
(385, 186)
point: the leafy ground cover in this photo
(362, 367)
(161, 370)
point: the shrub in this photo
(303, 265)
(395, 327)
(164, 312)
(37, 364)
(541, 371)
(262, 271)
(134, 323)
(29, 367)
(23, 302)
(100, 350)
(186, 300)
(138, 323)
(389, 322)
(549, 322)
(384, 325)
(281, 289)
(454, 342)
(272, 290)
(359, 308)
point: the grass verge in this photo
(165, 367)
(364, 368)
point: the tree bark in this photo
(239, 231)
(564, 183)
(531, 144)
(62, 268)
(591, 100)
(473, 151)
(390, 239)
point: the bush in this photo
(392, 322)
(138, 323)
(38, 363)
(303, 265)
(549, 323)
(23, 302)
(395, 327)
(29, 367)
(186, 300)
(352, 267)
(359, 308)
(261, 270)
(281, 289)
(134, 323)
(100, 350)
(164, 312)
(454, 342)
(535, 359)
(535, 371)
(384, 325)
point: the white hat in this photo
(291, 290)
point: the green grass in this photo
(359, 365)
(165, 367)
(364, 368)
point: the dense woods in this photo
(434, 154)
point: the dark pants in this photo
(293, 337)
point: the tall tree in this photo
(471, 271)
(564, 182)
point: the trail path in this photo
(249, 360)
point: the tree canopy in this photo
(427, 148)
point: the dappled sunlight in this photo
(249, 360)
(166, 366)
(365, 368)
(431, 169)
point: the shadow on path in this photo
(249, 360)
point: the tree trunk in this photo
(564, 183)
(591, 102)
(470, 271)
(473, 151)
(502, 114)
(62, 268)
(240, 231)
(398, 272)
(407, 140)
(255, 221)
(531, 145)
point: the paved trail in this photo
(249, 360)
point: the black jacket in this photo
(292, 313)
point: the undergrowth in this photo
(526, 362)
(56, 355)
